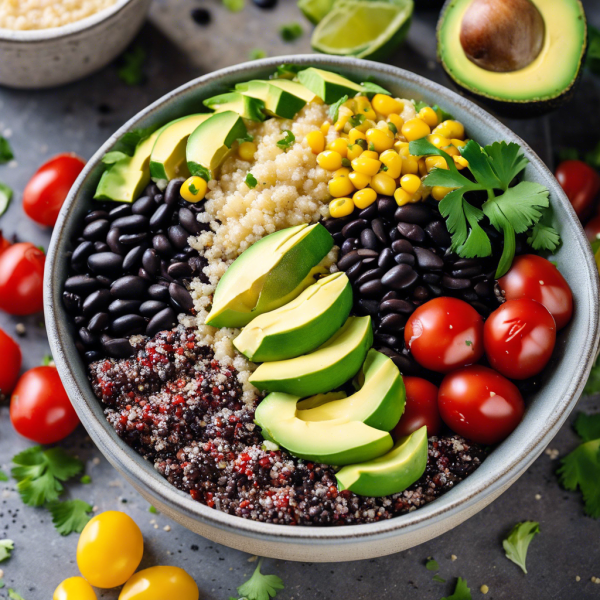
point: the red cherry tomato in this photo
(421, 408)
(480, 404)
(10, 364)
(21, 279)
(535, 277)
(49, 186)
(445, 333)
(592, 229)
(40, 409)
(519, 338)
(581, 184)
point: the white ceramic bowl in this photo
(49, 57)
(547, 409)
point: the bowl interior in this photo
(547, 408)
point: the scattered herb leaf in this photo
(13, 595)
(153, 510)
(372, 147)
(193, 189)
(518, 540)
(234, 5)
(259, 586)
(3, 476)
(6, 547)
(1, 583)
(461, 591)
(86, 480)
(47, 360)
(130, 140)
(287, 141)
(291, 32)
(286, 71)
(257, 53)
(370, 89)
(132, 66)
(468, 342)
(5, 197)
(199, 170)
(356, 120)
(346, 162)
(392, 128)
(334, 109)
(70, 516)
(587, 426)
(441, 113)
(251, 181)
(438, 579)
(6, 153)
(432, 565)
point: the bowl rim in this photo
(52, 33)
(479, 486)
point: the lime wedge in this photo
(315, 10)
(363, 28)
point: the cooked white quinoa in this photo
(292, 189)
(43, 14)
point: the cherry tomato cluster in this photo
(448, 336)
(109, 551)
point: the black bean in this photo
(161, 217)
(93, 356)
(164, 274)
(453, 283)
(406, 366)
(379, 230)
(467, 272)
(353, 228)
(394, 234)
(80, 321)
(179, 270)
(481, 308)
(128, 325)
(469, 296)
(94, 216)
(368, 239)
(397, 306)
(118, 347)
(432, 278)
(368, 307)
(463, 263)
(371, 288)
(416, 214)
(197, 264)
(104, 281)
(144, 274)
(162, 245)
(151, 261)
(133, 239)
(87, 337)
(369, 275)
(393, 323)
(112, 239)
(349, 245)
(101, 247)
(161, 321)
(181, 297)
(332, 225)
(133, 258)
(428, 260)
(143, 206)
(386, 259)
(97, 301)
(400, 246)
(386, 207)
(151, 189)
(338, 238)
(391, 295)
(129, 287)
(151, 307)
(158, 292)
(80, 256)
(485, 289)
(81, 285)
(265, 4)
(99, 322)
(391, 341)
(438, 234)
(367, 253)
(158, 198)
(188, 219)
(413, 232)
(405, 259)
(131, 223)
(369, 212)
(399, 277)
(172, 191)
(72, 301)
(348, 260)
(178, 236)
(436, 290)
(120, 211)
(123, 307)
(106, 263)
(96, 230)
(420, 293)
(182, 256)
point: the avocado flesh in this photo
(167, 160)
(550, 76)
(211, 141)
(278, 101)
(300, 326)
(245, 106)
(337, 442)
(391, 473)
(271, 273)
(124, 180)
(328, 86)
(379, 402)
(327, 368)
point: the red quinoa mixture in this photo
(182, 410)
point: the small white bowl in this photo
(43, 58)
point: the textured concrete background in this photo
(81, 116)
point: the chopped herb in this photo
(247, 138)
(518, 540)
(593, 53)
(346, 162)
(41, 249)
(234, 5)
(199, 170)
(438, 579)
(110, 158)
(130, 141)
(287, 141)
(251, 181)
(256, 54)
(592, 158)
(193, 189)
(259, 586)
(587, 426)
(5, 197)
(6, 547)
(1, 583)
(13, 595)
(441, 113)
(593, 383)
(392, 128)
(432, 565)
(356, 120)
(362, 143)
(132, 69)
(372, 147)
(461, 591)
(334, 109)
(86, 480)
(291, 32)
(70, 516)
(568, 154)
(6, 152)
(468, 342)
(47, 360)
(286, 71)
(370, 89)
(3, 476)
(152, 510)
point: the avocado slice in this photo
(543, 84)
(245, 106)
(167, 160)
(283, 101)
(300, 326)
(330, 87)
(271, 273)
(328, 367)
(210, 143)
(124, 180)
(337, 442)
(378, 403)
(391, 473)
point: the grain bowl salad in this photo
(318, 303)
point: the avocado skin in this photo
(514, 109)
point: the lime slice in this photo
(363, 28)
(315, 10)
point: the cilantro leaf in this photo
(441, 113)
(291, 32)
(259, 586)
(86, 480)
(370, 88)
(6, 152)
(356, 120)
(287, 141)
(432, 565)
(70, 516)
(593, 383)
(438, 579)
(587, 426)
(256, 54)
(335, 108)
(506, 161)
(6, 547)
(5, 197)
(251, 181)
(287, 71)
(13, 595)
(461, 591)
(234, 5)
(3, 476)
(199, 170)
(581, 468)
(132, 66)
(518, 540)
(110, 158)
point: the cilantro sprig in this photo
(6, 547)
(461, 591)
(259, 586)
(510, 209)
(287, 141)
(517, 542)
(6, 152)
(251, 181)
(70, 516)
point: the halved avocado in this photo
(391, 473)
(337, 442)
(325, 369)
(328, 86)
(245, 106)
(300, 326)
(521, 61)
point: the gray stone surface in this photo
(78, 118)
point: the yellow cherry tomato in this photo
(74, 588)
(194, 189)
(110, 549)
(160, 583)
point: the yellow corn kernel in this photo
(359, 180)
(439, 192)
(329, 160)
(461, 162)
(422, 167)
(428, 115)
(325, 128)
(402, 197)
(341, 207)
(410, 165)
(193, 189)
(410, 183)
(339, 145)
(315, 141)
(341, 186)
(370, 154)
(386, 105)
(381, 140)
(415, 129)
(364, 198)
(366, 166)
(354, 134)
(458, 143)
(354, 151)
(397, 120)
(382, 183)
(351, 104)
(452, 151)
(343, 172)
(393, 162)
(247, 150)
(363, 107)
(451, 129)
(366, 125)
(433, 162)
(417, 197)
(343, 115)
(402, 148)
(439, 141)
